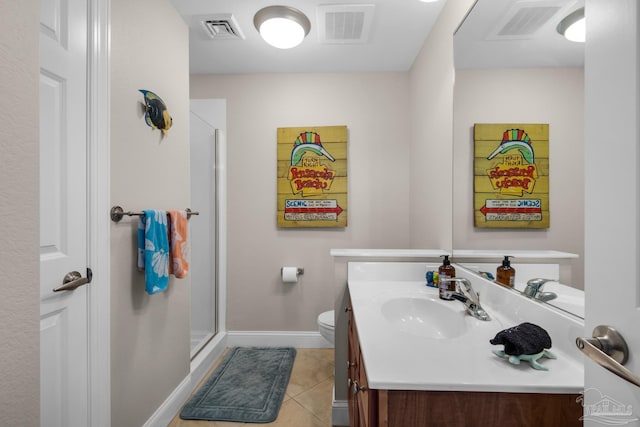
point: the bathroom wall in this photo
(19, 212)
(375, 108)
(432, 76)
(544, 95)
(149, 334)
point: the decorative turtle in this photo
(527, 341)
(531, 358)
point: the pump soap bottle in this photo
(446, 271)
(505, 274)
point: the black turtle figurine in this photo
(527, 342)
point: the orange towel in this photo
(178, 232)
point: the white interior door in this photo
(63, 213)
(612, 155)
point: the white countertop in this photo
(401, 360)
(389, 253)
(516, 253)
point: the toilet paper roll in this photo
(289, 274)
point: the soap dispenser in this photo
(505, 274)
(446, 271)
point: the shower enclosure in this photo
(205, 138)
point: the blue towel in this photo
(153, 250)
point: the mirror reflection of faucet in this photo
(534, 290)
(468, 296)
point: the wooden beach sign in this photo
(312, 176)
(511, 175)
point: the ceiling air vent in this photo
(222, 26)
(344, 24)
(524, 20)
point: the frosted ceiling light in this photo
(282, 26)
(572, 27)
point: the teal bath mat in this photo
(248, 386)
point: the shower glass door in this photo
(204, 233)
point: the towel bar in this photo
(117, 213)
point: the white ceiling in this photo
(478, 43)
(398, 31)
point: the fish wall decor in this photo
(156, 114)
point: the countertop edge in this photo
(389, 253)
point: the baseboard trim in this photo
(170, 407)
(204, 360)
(200, 365)
(340, 413)
(298, 339)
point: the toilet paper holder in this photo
(299, 270)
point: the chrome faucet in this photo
(469, 297)
(534, 290)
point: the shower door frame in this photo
(213, 113)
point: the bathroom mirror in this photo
(513, 67)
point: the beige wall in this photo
(19, 165)
(374, 107)
(149, 334)
(543, 95)
(432, 76)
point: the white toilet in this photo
(326, 325)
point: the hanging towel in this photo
(178, 232)
(153, 250)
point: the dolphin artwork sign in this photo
(312, 176)
(511, 175)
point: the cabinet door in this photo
(352, 371)
(367, 399)
(361, 391)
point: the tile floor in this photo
(307, 402)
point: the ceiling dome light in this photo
(572, 26)
(282, 26)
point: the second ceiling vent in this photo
(344, 24)
(524, 19)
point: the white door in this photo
(63, 213)
(612, 216)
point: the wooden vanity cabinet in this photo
(362, 400)
(412, 408)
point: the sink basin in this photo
(426, 317)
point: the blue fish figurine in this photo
(156, 114)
